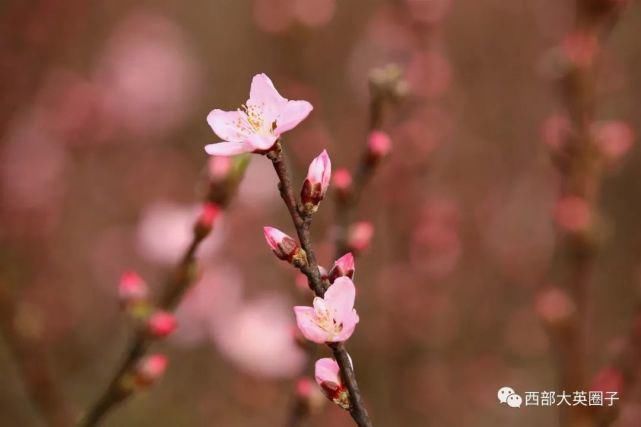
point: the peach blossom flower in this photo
(161, 324)
(283, 246)
(328, 378)
(344, 266)
(150, 369)
(259, 123)
(317, 182)
(333, 317)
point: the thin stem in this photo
(302, 224)
(177, 285)
(33, 367)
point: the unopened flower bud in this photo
(614, 139)
(219, 168)
(149, 370)
(284, 246)
(342, 181)
(388, 81)
(209, 213)
(554, 306)
(379, 145)
(344, 266)
(161, 324)
(133, 293)
(573, 214)
(309, 395)
(327, 375)
(359, 236)
(317, 182)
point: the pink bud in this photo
(327, 375)
(283, 246)
(554, 306)
(614, 138)
(580, 48)
(344, 266)
(161, 324)
(132, 288)
(379, 145)
(309, 394)
(609, 379)
(150, 369)
(342, 180)
(359, 236)
(317, 182)
(219, 167)
(209, 213)
(573, 214)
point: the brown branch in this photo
(580, 168)
(302, 223)
(33, 367)
(179, 282)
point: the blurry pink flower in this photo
(327, 375)
(213, 300)
(309, 394)
(219, 168)
(360, 236)
(342, 180)
(333, 317)
(258, 124)
(555, 130)
(554, 306)
(344, 266)
(379, 145)
(150, 79)
(580, 48)
(208, 214)
(608, 379)
(283, 246)
(150, 369)
(614, 138)
(258, 339)
(161, 324)
(166, 229)
(132, 288)
(273, 16)
(317, 182)
(573, 214)
(314, 13)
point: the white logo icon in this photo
(509, 396)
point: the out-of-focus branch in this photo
(580, 166)
(302, 222)
(33, 366)
(184, 275)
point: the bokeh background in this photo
(102, 128)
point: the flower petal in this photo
(340, 298)
(291, 115)
(226, 125)
(349, 325)
(262, 142)
(228, 148)
(326, 371)
(309, 328)
(263, 93)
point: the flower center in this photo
(326, 321)
(253, 120)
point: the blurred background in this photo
(102, 129)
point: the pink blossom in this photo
(208, 214)
(379, 145)
(166, 229)
(219, 167)
(132, 288)
(161, 324)
(554, 306)
(342, 180)
(150, 369)
(333, 317)
(614, 138)
(257, 338)
(258, 124)
(360, 236)
(327, 375)
(344, 266)
(573, 214)
(317, 182)
(283, 246)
